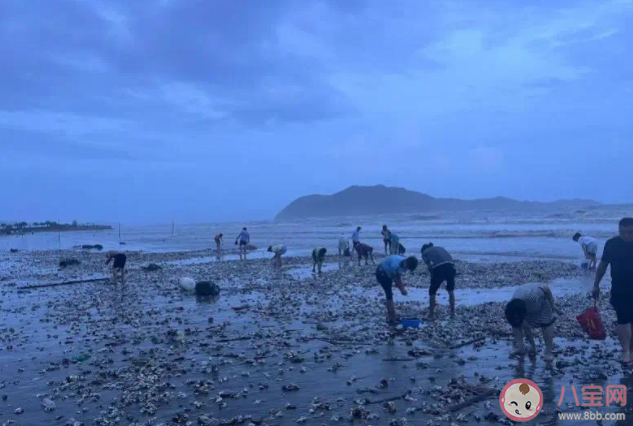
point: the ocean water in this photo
(475, 236)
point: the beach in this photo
(279, 348)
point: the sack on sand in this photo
(207, 288)
(591, 322)
(187, 284)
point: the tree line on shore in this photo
(23, 227)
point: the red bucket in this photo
(591, 322)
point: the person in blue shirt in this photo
(389, 272)
(356, 237)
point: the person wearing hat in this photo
(442, 268)
(389, 272)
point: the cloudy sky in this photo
(205, 110)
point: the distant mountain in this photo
(380, 199)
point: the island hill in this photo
(48, 226)
(380, 199)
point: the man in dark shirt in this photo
(618, 252)
(365, 251)
(442, 268)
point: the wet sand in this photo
(299, 348)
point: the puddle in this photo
(305, 272)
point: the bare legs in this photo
(387, 244)
(432, 306)
(624, 335)
(115, 275)
(451, 299)
(243, 251)
(548, 336)
(276, 262)
(391, 311)
(317, 265)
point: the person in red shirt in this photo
(366, 251)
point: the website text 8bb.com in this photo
(592, 415)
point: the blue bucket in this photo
(411, 322)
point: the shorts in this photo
(385, 282)
(316, 258)
(441, 273)
(119, 261)
(281, 251)
(387, 242)
(243, 243)
(623, 305)
(592, 250)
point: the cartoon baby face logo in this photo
(521, 400)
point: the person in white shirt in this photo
(589, 247)
(278, 250)
(343, 245)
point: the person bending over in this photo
(442, 268)
(118, 268)
(278, 250)
(366, 251)
(318, 256)
(389, 272)
(589, 248)
(532, 305)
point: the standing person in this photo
(118, 266)
(532, 305)
(366, 251)
(343, 245)
(589, 248)
(244, 238)
(278, 250)
(356, 237)
(618, 252)
(395, 243)
(442, 268)
(318, 256)
(389, 272)
(218, 241)
(386, 238)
